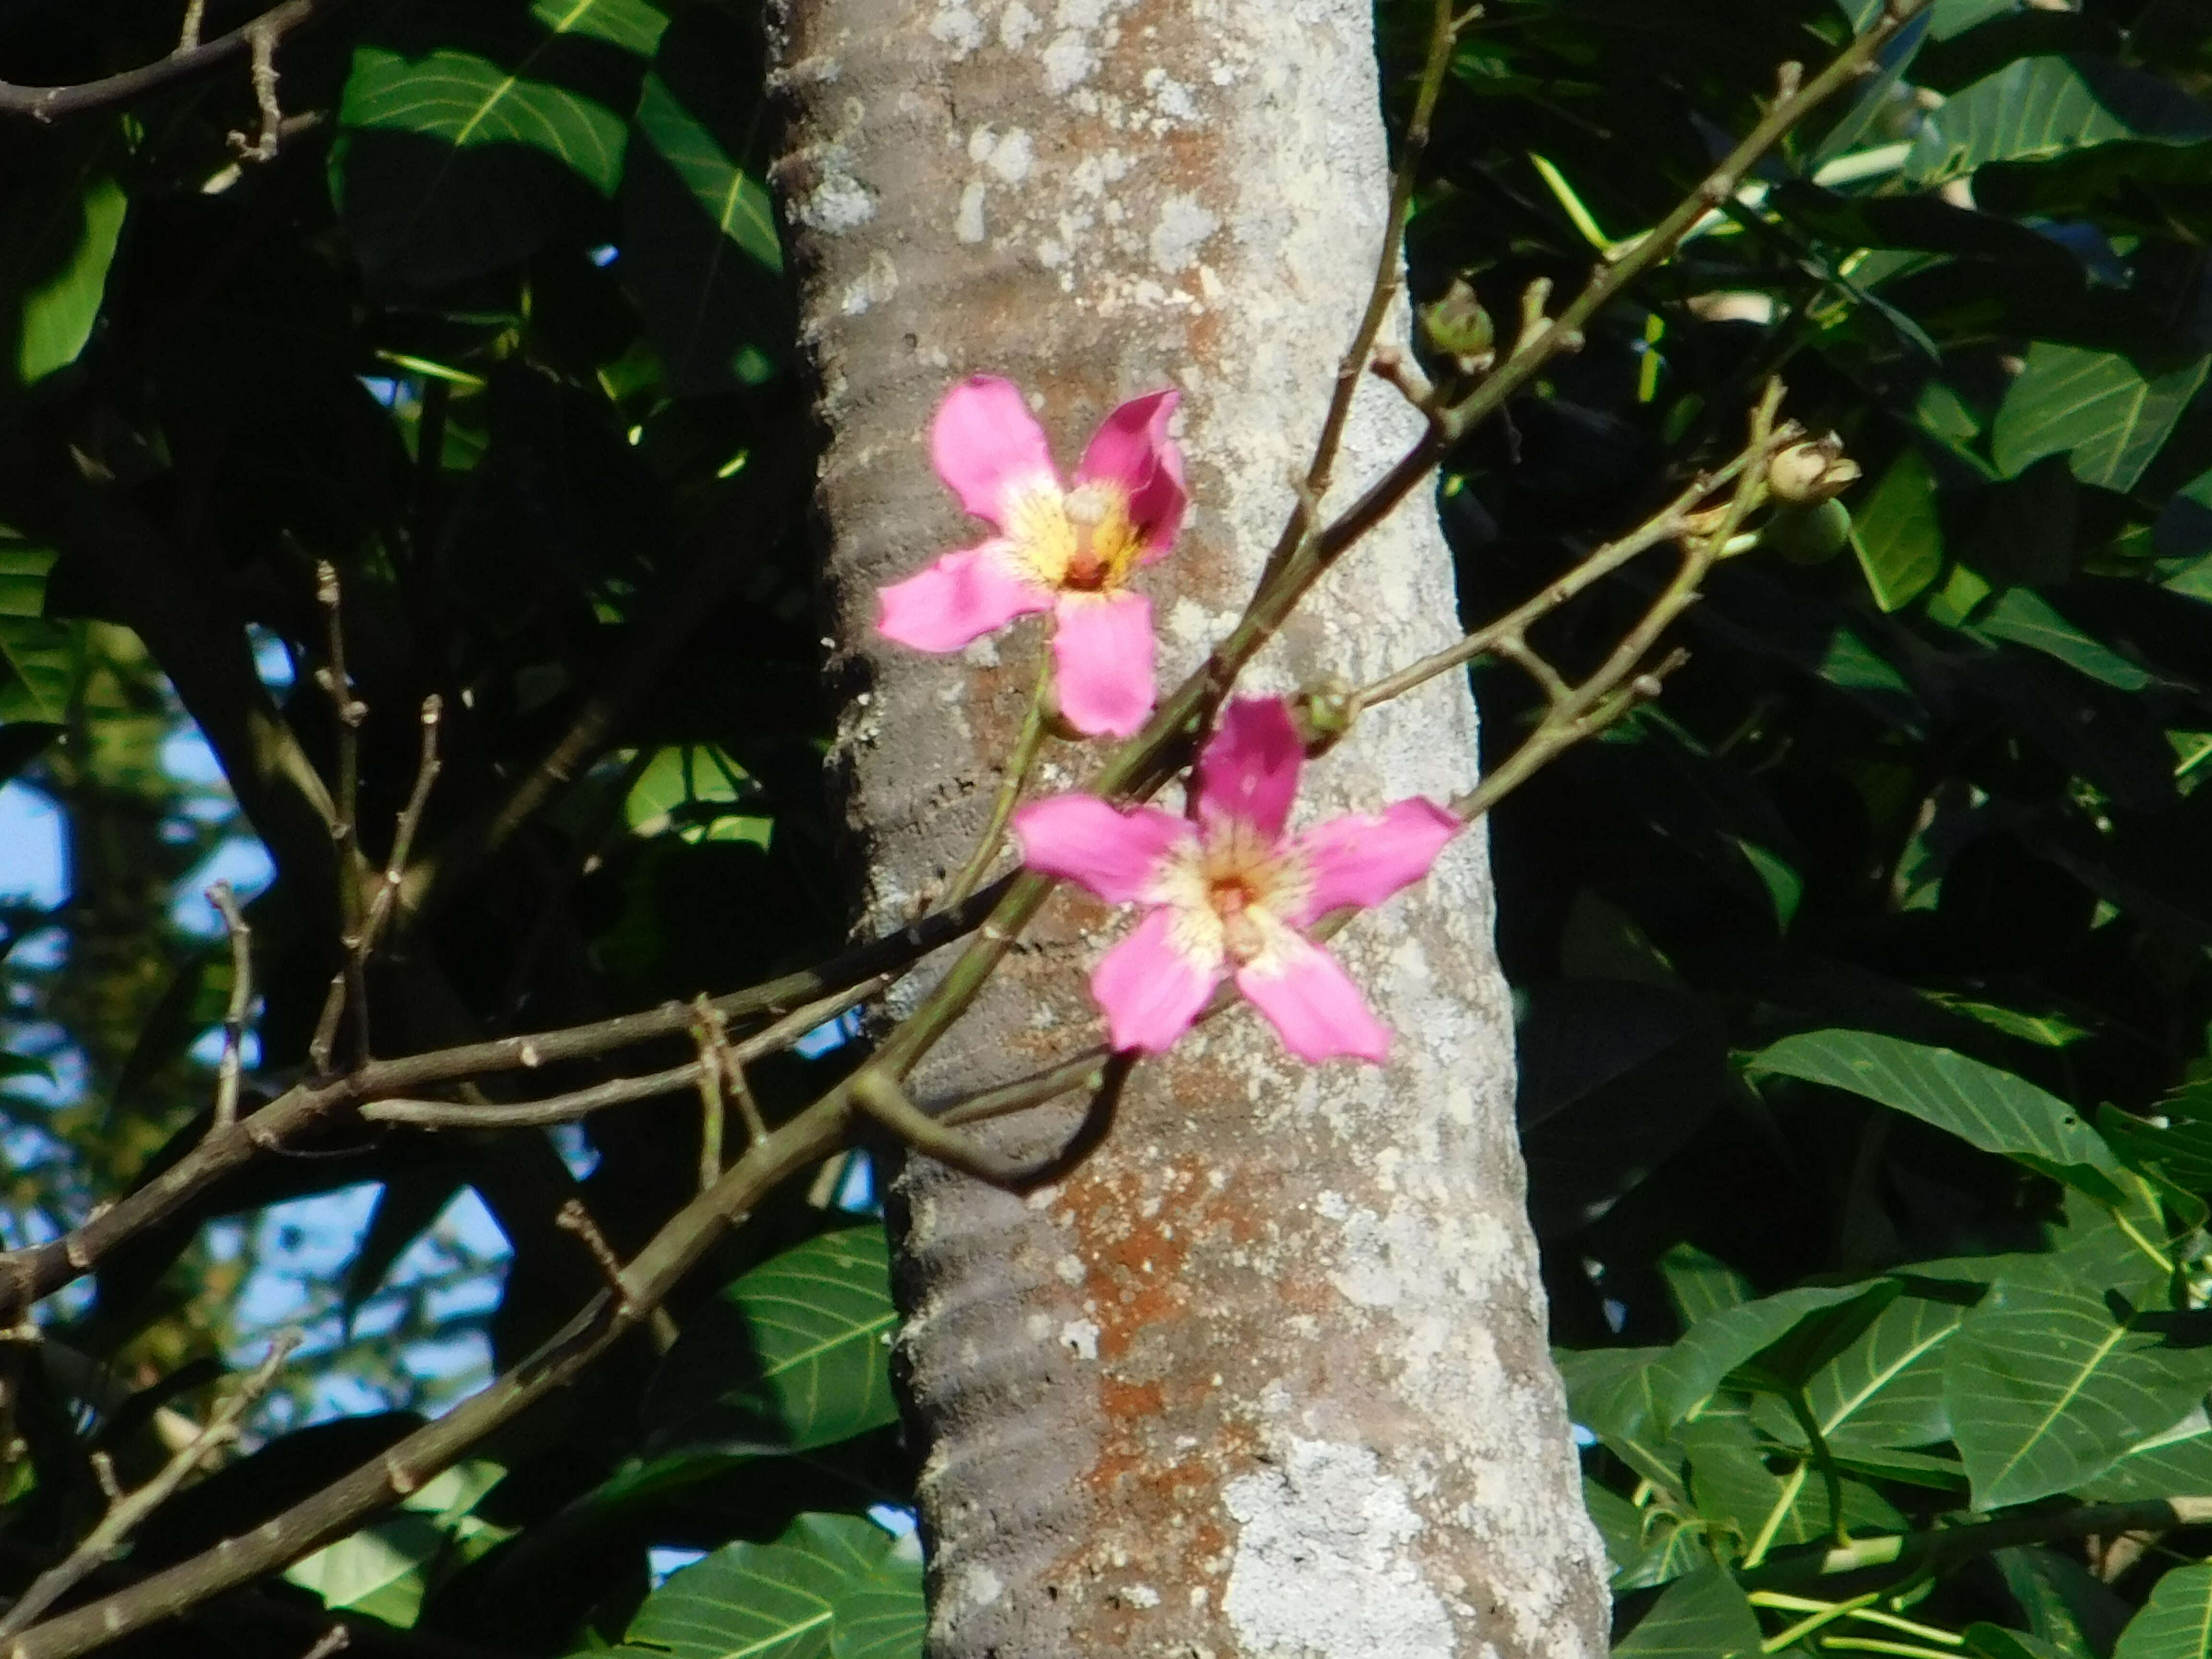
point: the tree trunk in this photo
(1268, 1375)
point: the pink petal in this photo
(1131, 448)
(1102, 644)
(1250, 769)
(1311, 1001)
(961, 598)
(1114, 853)
(1363, 858)
(984, 441)
(1151, 989)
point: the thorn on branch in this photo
(188, 38)
(334, 1640)
(1788, 79)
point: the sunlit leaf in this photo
(1704, 1616)
(2052, 1377)
(784, 1600)
(59, 314)
(2176, 1623)
(2108, 417)
(795, 1353)
(2037, 107)
(1897, 535)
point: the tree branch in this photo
(193, 59)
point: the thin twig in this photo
(427, 768)
(188, 38)
(1019, 764)
(821, 1127)
(241, 1000)
(263, 146)
(621, 1092)
(127, 1511)
(345, 827)
(46, 104)
(334, 1640)
(1665, 526)
(1389, 276)
(712, 1033)
(573, 1217)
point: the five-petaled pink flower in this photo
(1066, 550)
(1230, 892)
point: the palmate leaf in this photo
(2037, 107)
(2176, 1623)
(796, 1353)
(1703, 1616)
(1989, 1108)
(2052, 1377)
(818, 1592)
(2107, 416)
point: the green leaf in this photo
(884, 1616)
(2045, 1030)
(1715, 1346)
(470, 101)
(1647, 1544)
(1732, 1483)
(2070, 1612)
(1897, 534)
(1991, 1108)
(451, 163)
(2096, 408)
(2024, 616)
(777, 1600)
(42, 652)
(1698, 1284)
(633, 25)
(1611, 1392)
(385, 1568)
(702, 258)
(2037, 107)
(1886, 1388)
(2177, 1461)
(1998, 1643)
(2052, 1378)
(2176, 1623)
(59, 312)
(1703, 1616)
(795, 1354)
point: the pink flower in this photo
(1230, 893)
(1068, 552)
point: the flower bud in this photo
(1815, 470)
(1324, 713)
(1807, 535)
(1455, 325)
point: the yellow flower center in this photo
(1078, 541)
(1232, 894)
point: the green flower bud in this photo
(1808, 534)
(1455, 325)
(1323, 714)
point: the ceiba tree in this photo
(1268, 1374)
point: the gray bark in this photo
(1268, 1375)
